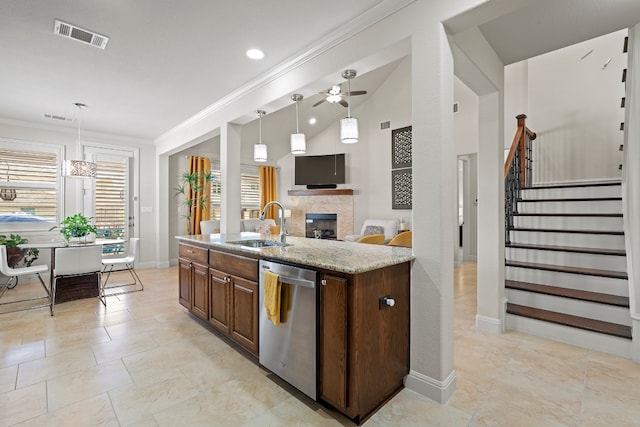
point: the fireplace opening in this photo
(324, 225)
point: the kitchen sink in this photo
(258, 243)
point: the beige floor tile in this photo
(604, 409)
(23, 404)
(135, 402)
(122, 347)
(408, 408)
(14, 355)
(54, 366)
(76, 341)
(8, 378)
(292, 412)
(78, 386)
(95, 411)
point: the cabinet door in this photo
(333, 341)
(200, 291)
(244, 325)
(219, 300)
(184, 283)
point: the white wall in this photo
(73, 200)
(572, 101)
(368, 161)
(465, 121)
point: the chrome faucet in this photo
(283, 231)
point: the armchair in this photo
(388, 227)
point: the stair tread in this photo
(579, 294)
(568, 269)
(586, 214)
(600, 326)
(571, 199)
(562, 230)
(581, 250)
(574, 185)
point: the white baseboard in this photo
(489, 324)
(439, 391)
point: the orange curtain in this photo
(199, 191)
(268, 190)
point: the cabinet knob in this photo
(323, 282)
(387, 301)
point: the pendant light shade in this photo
(298, 140)
(260, 149)
(349, 125)
(79, 168)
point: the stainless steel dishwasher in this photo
(289, 350)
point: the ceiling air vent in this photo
(76, 33)
(385, 125)
(57, 117)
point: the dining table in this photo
(73, 287)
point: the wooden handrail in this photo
(519, 144)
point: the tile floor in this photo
(145, 362)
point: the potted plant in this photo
(193, 186)
(15, 255)
(77, 227)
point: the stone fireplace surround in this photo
(338, 201)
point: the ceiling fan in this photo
(335, 94)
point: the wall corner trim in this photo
(439, 391)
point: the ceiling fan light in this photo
(259, 152)
(334, 99)
(298, 143)
(349, 130)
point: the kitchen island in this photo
(363, 306)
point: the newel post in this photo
(522, 149)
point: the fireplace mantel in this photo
(322, 192)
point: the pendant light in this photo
(79, 168)
(298, 140)
(349, 125)
(260, 149)
(8, 194)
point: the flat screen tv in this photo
(320, 171)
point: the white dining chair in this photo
(128, 263)
(77, 261)
(13, 274)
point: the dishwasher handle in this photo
(295, 281)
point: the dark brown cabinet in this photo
(364, 338)
(233, 305)
(194, 280)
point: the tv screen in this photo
(320, 170)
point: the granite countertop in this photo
(345, 257)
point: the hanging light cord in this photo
(349, 97)
(297, 128)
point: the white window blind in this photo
(249, 195)
(111, 196)
(32, 176)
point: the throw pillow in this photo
(373, 229)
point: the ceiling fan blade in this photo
(319, 102)
(357, 92)
(343, 103)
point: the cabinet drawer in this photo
(195, 254)
(234, 264)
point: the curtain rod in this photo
(241, 164)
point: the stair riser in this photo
(568, 259)
(572, 192)
(605, 285)
(587, 206)
(602, 241)
(591, 310)
(586, 339)
(569, 223)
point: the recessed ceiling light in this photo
(312, 121)
(255, 54)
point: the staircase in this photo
(566, 271)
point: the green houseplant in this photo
(15, 255)
(77, 226)
(192, 187)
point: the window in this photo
(249, 195)
(111, 197)
(28, 184)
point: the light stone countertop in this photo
(345, 257)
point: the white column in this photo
(230, 135)
(490, 315)
(164, 189)
(434, 220)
